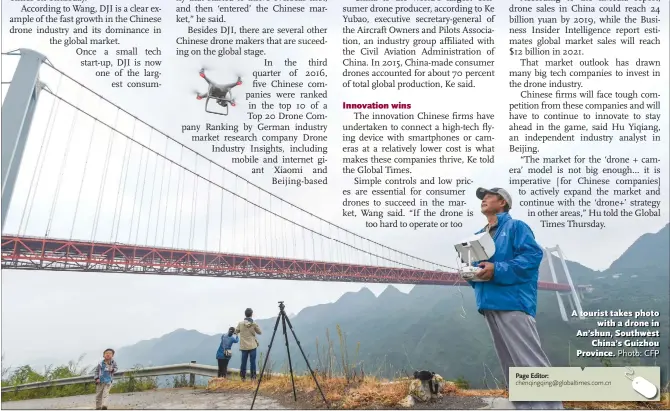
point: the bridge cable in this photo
(265, 244)
(272, 225)
(330, 255)
(302, 238)
(282, 230)
(137, 188)
(246, 218)
(295, 239)
(167, 199)
(98, 207)
(191, 228)
(120, 193)
(347, 253)
(321, 241)
(209, 192)
(235, 174)
(223, 182)
(272, 229)
(144, 182)
(234, 223)
(339, 248)
(270, 236)
(274, 246)
(62, 169)
(257, 244)
(178, 212)
(266, 247)
(83, 174)
(39, 166)
(313, 247)
(176, 199)
(151, 201)
(184, 170)
(336, 250)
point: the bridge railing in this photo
(192, 369)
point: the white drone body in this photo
(477, 248)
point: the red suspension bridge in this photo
(94, 188)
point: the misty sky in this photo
(57, 315)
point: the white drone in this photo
(219, 93)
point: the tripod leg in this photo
(309, 367)
(288, 352)
(267, 356)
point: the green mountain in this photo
(439, 328)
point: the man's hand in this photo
(486, 272)
(97, 380)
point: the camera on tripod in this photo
(283, 318)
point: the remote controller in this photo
(469, 274)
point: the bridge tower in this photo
(573, 296)
(18, 109)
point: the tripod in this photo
(284, 320)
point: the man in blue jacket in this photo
(508, 295)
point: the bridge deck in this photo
(32, 253)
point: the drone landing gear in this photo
(216, 101)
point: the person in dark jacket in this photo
(508, 295)
(225, 351)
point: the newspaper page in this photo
(471, 194)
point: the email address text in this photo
(562, 383)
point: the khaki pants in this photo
(101, 395)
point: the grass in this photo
(26, 374)
(346, 385)
(339, 392)
(374, 393)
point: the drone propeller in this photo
(197, 94)
(239, 79)
(232, 102)
(202, 71)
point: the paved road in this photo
(190, 399)
(162, 399)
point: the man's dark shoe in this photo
(103, 407)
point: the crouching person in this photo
(104, 378)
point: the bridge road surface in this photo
(169, 399)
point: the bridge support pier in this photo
(561, 306)
(572, 305)
(573, 297)
(18, 109)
